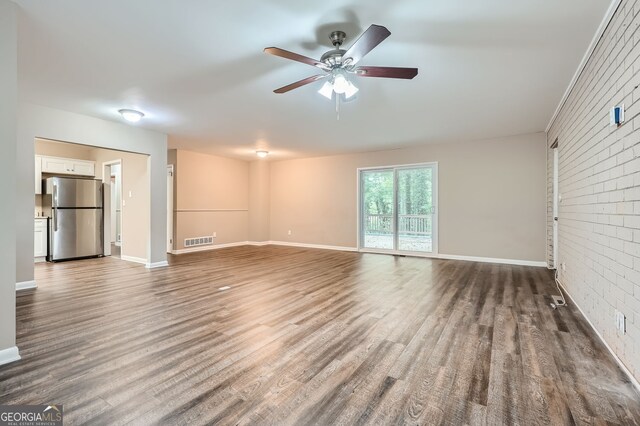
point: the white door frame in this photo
(106, 179)
(434, 236)
(170, 208)
(555, 207)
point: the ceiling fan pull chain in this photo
(337, 107)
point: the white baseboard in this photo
(134, 259)
(261, 243)
(26, 285)
(305, 245)
(354, 249)
(493, 260)
(432, 256)
(9, 355)
(211, 247)
(463, 258)
(40, 259)
(153, 265)
(624, 368)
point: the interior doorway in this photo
(169, 208)
(556, 201)
(112, 179)
(398, 209)
(127, 173)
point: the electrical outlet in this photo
(621, 322)
(215, 234)
(564, 266)
(289, 233)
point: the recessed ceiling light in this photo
(131, 115)
(262, 154)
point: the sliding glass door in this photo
(398, 209)
(378, 207)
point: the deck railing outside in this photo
(408, 224)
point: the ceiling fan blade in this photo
(300, 83)
(276, 51)
(373, 36)
(387, 72)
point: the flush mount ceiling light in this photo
(262, 154)
(131, 115)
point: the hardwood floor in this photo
(309, 337)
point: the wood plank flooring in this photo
(309, 337)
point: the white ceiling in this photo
(486, 68)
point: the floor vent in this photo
(198, 241)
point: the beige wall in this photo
(8, 99)
(491, 196)
(212, 195)
(599, 179)
(64, 150)
(259, 200)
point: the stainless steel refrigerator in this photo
(76, 227)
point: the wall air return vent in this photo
(198, 241)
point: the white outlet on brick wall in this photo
(621, 322)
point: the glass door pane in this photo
(415, 209)
(377, 198)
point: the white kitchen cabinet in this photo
(68, 166)
(56, 165)
(38, 174)
(40, 239)
(84, 168)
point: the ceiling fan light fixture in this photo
(340, 83)
(350, 90)
(340, 65)
(262, 154)
(326, 90)
(131, 115)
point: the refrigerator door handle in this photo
(55, 204)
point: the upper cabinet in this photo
(61, 166)
(68, 166)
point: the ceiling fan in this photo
(339, 64)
